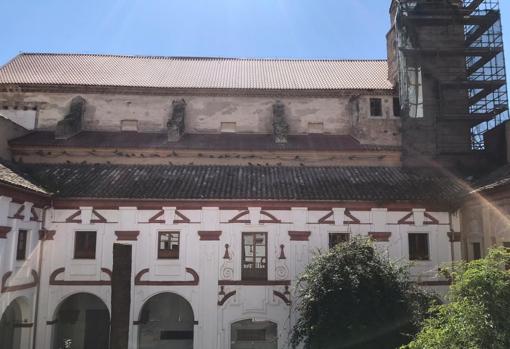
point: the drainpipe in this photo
(39, 272)
(452, 239)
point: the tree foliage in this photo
(353, 297)
(477, 315)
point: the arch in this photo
(10, 329)
(251, 333)
(166, 321)
(81, 321)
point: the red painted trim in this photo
(282, 252)
(100, 218)
(46, 235)
(141, 273)
(326, 220)
(226, 255)
(4, 230)
(226, 298)
(380, 236)
(155, 218)
(282, 297)
(183, 218)
(72, 218)
(127, 235)
(254, 283)
(209, 235)
(432, 219)
(272, 219)
(404, 220)
(6, 288)
(353, 220)
(299, 235)
(18, 214)
(55, 282)
(35, 217)
(237, 219)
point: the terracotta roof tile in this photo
(199, 73)
(248, 182)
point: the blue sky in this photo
(230, 28)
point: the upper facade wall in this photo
(106, 112)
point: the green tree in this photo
(478, 313)
(354, 297)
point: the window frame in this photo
(380, 107)
(397, 112)
(476, 248)
(84, 254)
(244, 276)
(330, 246)
(164, 254)
(21, 255)
(417, 256)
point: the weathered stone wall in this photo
(8, 130)
(106, 112)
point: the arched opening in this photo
(10, 329)
(251, 334)
(82, 322)
(166, 321)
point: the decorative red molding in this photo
(35, 217)
(272, 219)
(209, 235)
(183, 218)
(254, 283)
(19, 213)
(405, 219)
(226, 298)
(454, 236)
(6, 288)
(45, 235)
(299, 235)
(98, 217)
(380, 236)
(72, 218)
(55, 282)
(326, 219)
(237, 218)
(282, 252)
(127, 235)
(282, 297)
(4, 231)
(139, 282)
(432, 219)
(157, 216)
(353, 220)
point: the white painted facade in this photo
(213, 312)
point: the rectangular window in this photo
(254, 256)
(477, 250)
(168, 247)
(337, 238)
(396, 106)
(85, 245)
(21, 249)
(419, 247)
(376, 107)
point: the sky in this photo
(325, 29)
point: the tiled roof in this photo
(224, 141)
(495, 179)
(11, 175)
(247, 183)
(195, 73)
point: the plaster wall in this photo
(107, 112)
(8, 130)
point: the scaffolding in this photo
(478, 86)
(486, 35)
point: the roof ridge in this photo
(202, 57)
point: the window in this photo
(477, 250)
(168, 247)
(375, 107)
(254, 334)
(396, 106)
(419, 247)
(337, 238)
(21, 249)
(254, 256)
(85, 245)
